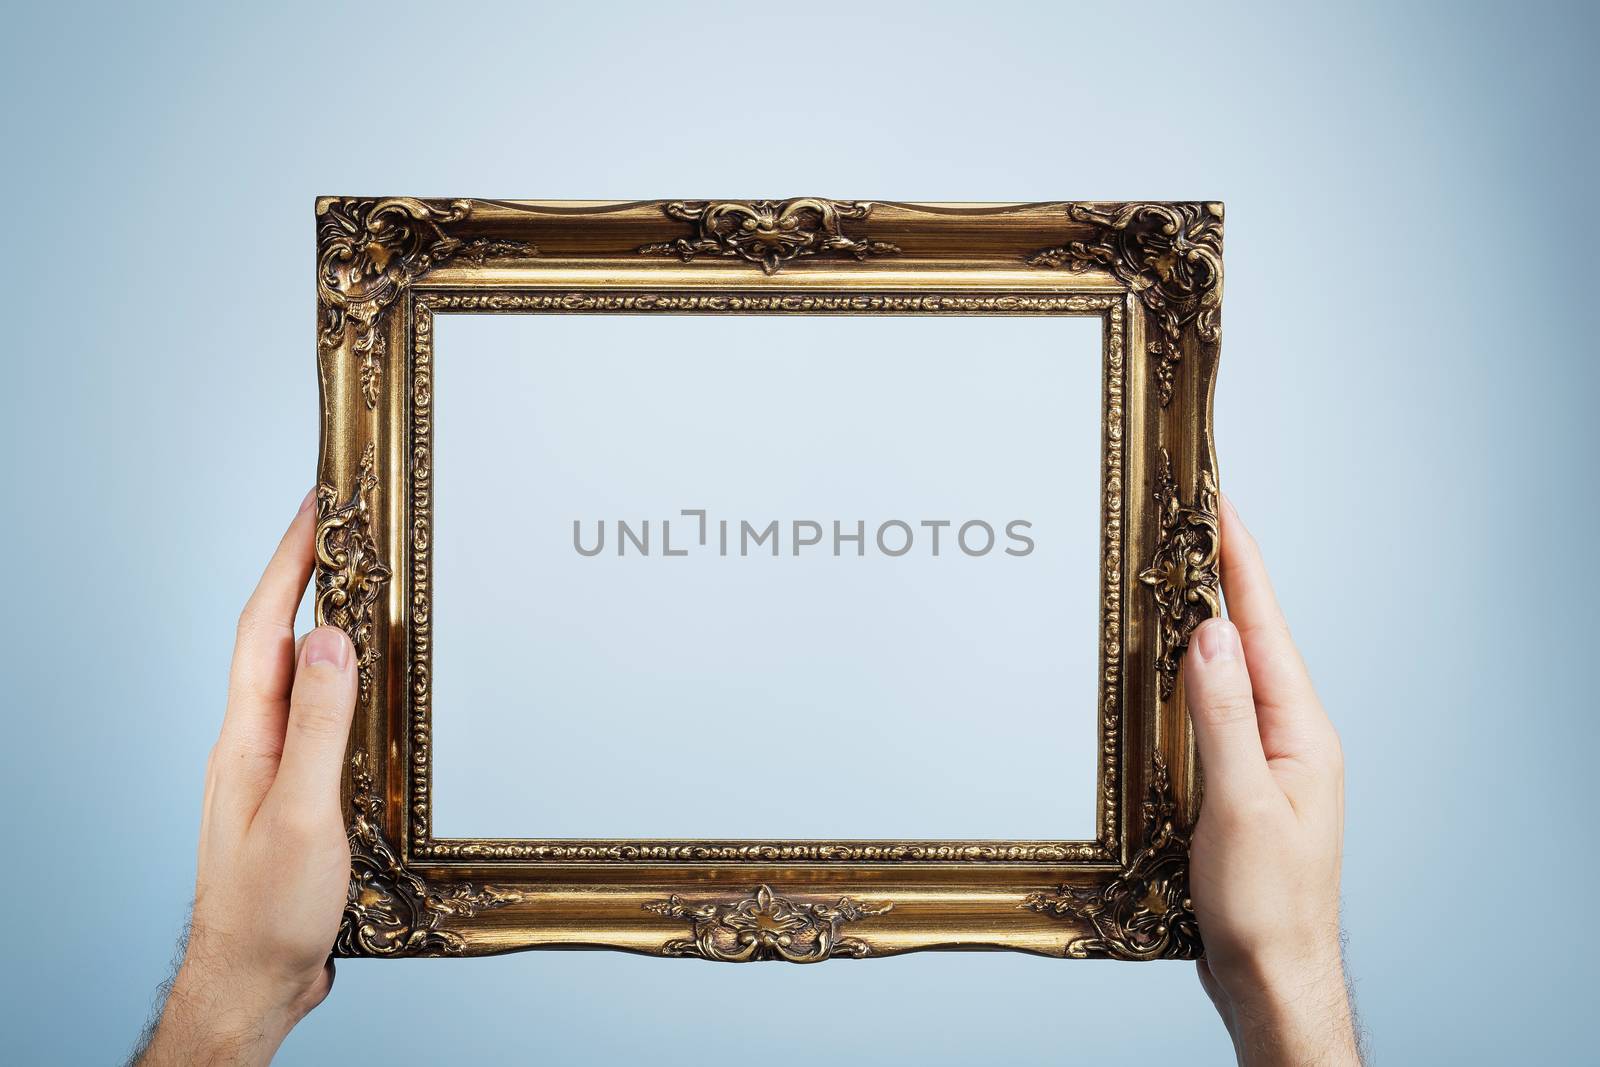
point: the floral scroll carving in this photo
(1145, 913)
(1183, 574)
(765, 926)
(769, 233)
(390, 911)
(370, 251)
(1168, 253)
(349, 573)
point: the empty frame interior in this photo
(670, 553)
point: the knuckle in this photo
(1225, 708)
(243, 746)
(1272, 633)
(319, 719)
(256, 679)
(254, 623)
(1334, 754)
(249, 620)
(1322, 754)
(212, 779)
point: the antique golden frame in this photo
(1152, 274)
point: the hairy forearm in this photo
(1302, 1016)
(208, 1020)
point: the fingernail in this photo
(310, 495)
(327, 644)
(1217, 640)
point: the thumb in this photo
(321, 705)
(1224, 712)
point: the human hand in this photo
(273, 864)
(1264, 862)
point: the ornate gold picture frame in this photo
(1150, 272)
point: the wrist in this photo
(216, 1017)
(1291, 1011)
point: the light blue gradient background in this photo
(1405, 418)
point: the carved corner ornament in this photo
(349, 573)
(1171, 255)
(1183, 574)
(390, 911)
(370, 251)
(765, 926)
(769, 233)
(1145, 913)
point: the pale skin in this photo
(273, 860)
(1264, 860)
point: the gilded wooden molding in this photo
(1113, 536)
(1168, 253)
(370, 250)
(388, 267)
(421, 559)
(768, 233)
(1183, 574)
(349, 574)
(428, 301)
(390, 910)
(643, 301)
(481, 251)
(765, 926)
(834, 852)
(1145, 913)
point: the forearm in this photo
(1295, 1016)
(208, 1020)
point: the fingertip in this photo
(1235, 534)
(297, 539)
(321, 707)
(304, 519)
(1216, 640)
(1215, 674)
(1222, 708)
(327, 645)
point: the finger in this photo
(320, 709)
(245, 758)
(1224, 714)
(263, 653)
(1290, 716)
